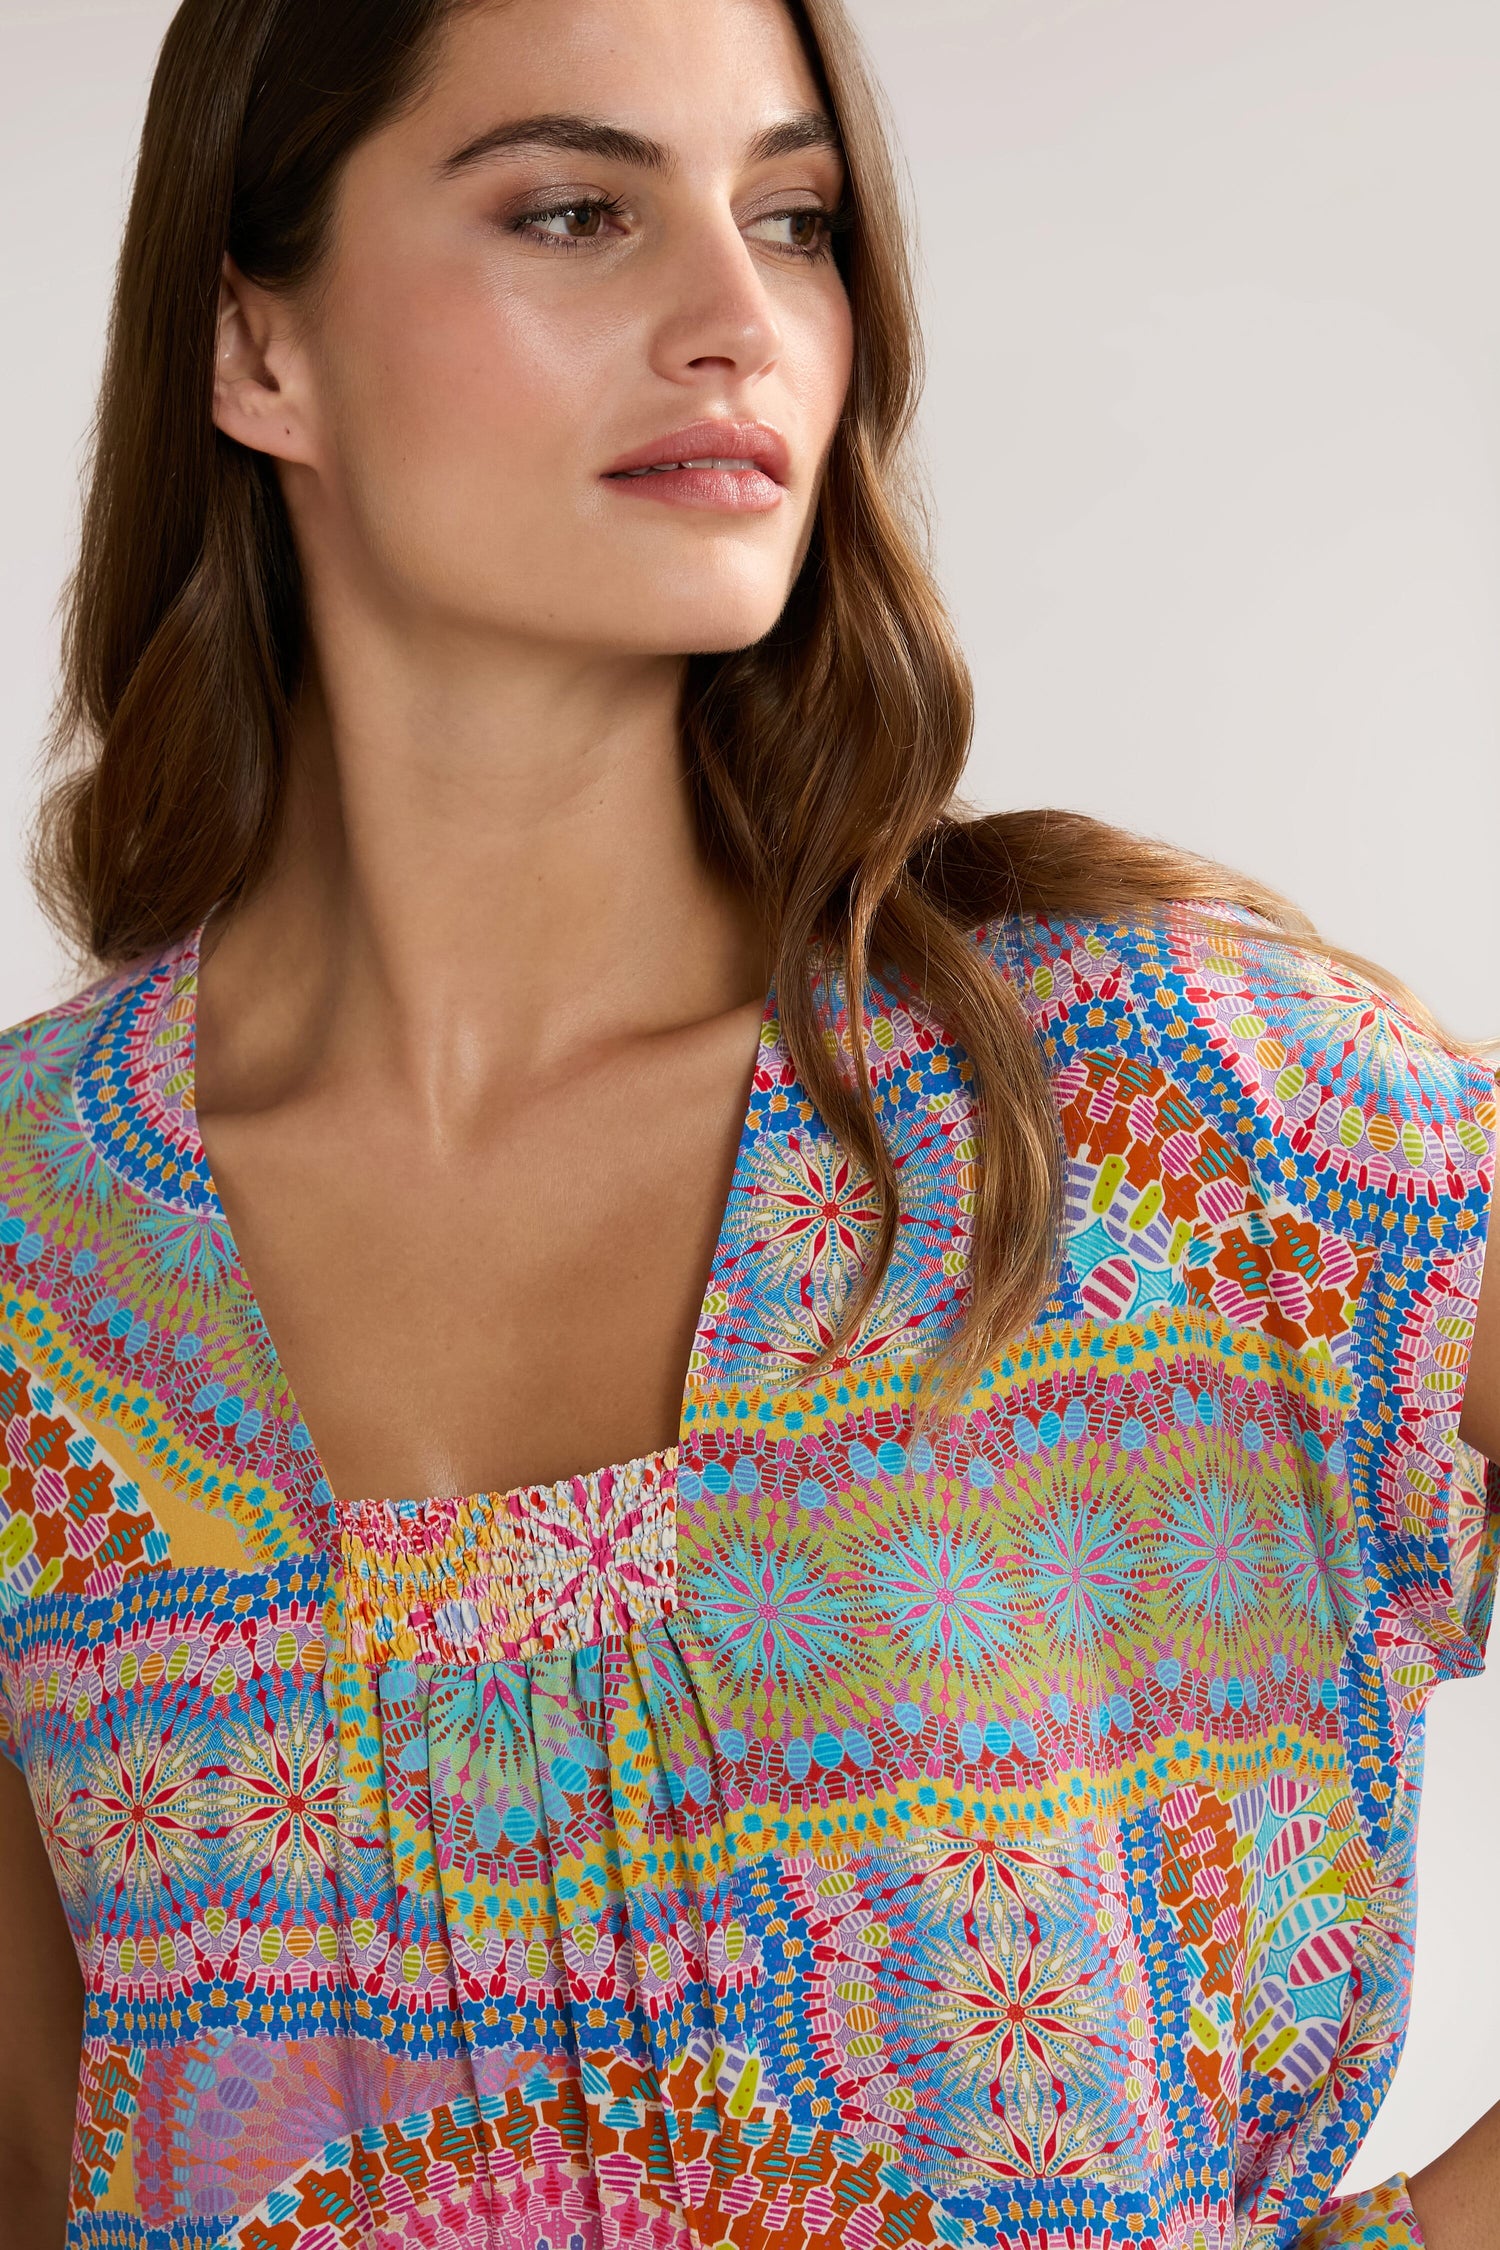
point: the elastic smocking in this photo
(501, 1577)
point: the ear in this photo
(258, 399)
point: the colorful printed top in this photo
(845, 1830)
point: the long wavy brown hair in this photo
(824, 759)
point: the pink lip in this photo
(754, 488)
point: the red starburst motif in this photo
(1014, 2009)
(281, 1808)
(141, 1814)
(820, 1204)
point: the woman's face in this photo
(598, 243)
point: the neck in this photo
(490, 854)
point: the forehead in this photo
(695, 74)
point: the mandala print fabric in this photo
(850, 1829)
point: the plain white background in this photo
(1213, 304)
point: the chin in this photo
(714, 628)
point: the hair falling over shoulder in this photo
(825, 759)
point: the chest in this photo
(499, 1309)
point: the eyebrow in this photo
(595, 136)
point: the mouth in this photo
(671, 468)
(729, 467)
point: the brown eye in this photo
(576, 224)
(567, 223)
(805, 234)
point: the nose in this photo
(719, 319)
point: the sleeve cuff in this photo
(1381, 2219)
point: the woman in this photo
(953, 1777)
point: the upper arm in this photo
(1480, 1426)
(41, 2012)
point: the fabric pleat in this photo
(495, 1736)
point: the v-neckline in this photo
(279, 1386)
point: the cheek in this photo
(819, 359)
(452, 407)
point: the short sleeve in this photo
(1380, 2219)
(1373, 1142)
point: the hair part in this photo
(824, 760)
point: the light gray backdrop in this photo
(1214, 309)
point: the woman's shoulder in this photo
(1212, 1026)
(78, 1064)
(1283, 1163)
(39, 1055)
